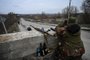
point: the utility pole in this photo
(84, 6)
(69, 9)
(2, 20)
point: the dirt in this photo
(4, 38)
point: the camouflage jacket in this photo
(73, 45)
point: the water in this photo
(85, 36)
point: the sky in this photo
(35, 6)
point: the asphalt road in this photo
(85, 36)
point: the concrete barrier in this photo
(15, 46)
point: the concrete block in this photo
(22, 44)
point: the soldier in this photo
(70, 43)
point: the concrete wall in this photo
(17, 45)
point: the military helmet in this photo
(72, 20)
(63, 23)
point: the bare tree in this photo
(86, 6)
(86, 11)
(73, 10)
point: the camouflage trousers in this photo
(62, 54)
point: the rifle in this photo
(45, 33)
(41, 31)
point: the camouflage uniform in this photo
(72, 45)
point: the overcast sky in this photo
(35, 6)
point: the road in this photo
(25, 24)
(85, 35)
